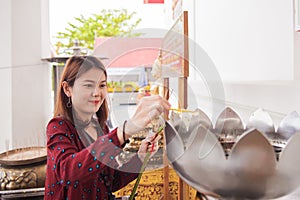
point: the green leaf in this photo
(110, 22)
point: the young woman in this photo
(81, 152)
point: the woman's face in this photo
(88, 92)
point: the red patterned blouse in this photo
(78, 172)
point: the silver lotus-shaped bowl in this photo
(251, 170)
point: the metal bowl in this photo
(250, 171)
(23, 168)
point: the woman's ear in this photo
(66, 88)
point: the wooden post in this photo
(182, 104)
(169, 47)
(183, 94)
(165, 159)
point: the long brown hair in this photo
(74, 68)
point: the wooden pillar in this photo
(182, 104)
(169, 50)
(165, 159)
(183, 94)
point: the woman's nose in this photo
(96, 92)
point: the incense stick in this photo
(146, 160)
(181, 110)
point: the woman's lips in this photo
(95, 102)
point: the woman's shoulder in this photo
(58, 126)
(59, 122)
(58, 119)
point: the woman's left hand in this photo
(149, 144)
(148, 108)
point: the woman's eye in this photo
(102, 85)
(88, 85)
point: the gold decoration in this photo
(21, 178)
(23, 168)
(151, 186)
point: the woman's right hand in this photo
(149, 144)
(148, 108)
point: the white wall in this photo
(5, 74)
(26, 81)
(297, 55)
(249, 39)
(255, 50)
(281, 97)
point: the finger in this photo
(153, 114)
(165, 104)
(161, 107)
(155, 102)
(158, 107)
(150, 148)
(150, 136)
(157, 138)
(144, 146)
(155, 148)
(153, 137)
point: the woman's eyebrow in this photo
(89, 81)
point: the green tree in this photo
(106, 24)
